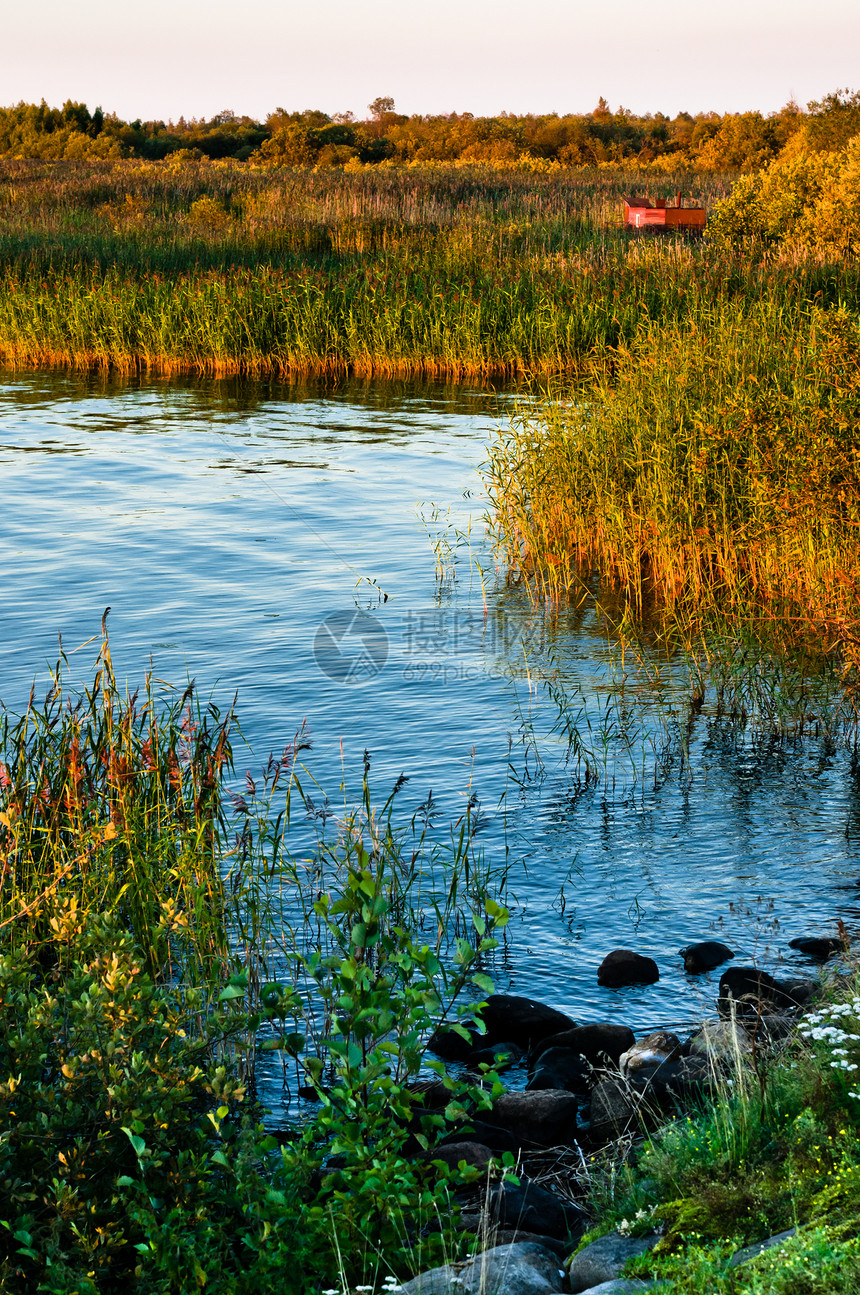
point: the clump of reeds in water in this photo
(111, 802)
(714, 471)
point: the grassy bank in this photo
(223, 268)
(773, 1149)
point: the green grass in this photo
(224, 268)
(774, 1147)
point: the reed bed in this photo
(715, 472)
(224, 268)
(113, 803)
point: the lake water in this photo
(224, 522)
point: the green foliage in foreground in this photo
(129, 1156)
(777, 1146)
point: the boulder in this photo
(752, 992)
(623, 1286)
(498, 1140)
(595, 1042)
(508, 1236)
(473, 1154)
(542, 1118)
(705, 956)
(519, 1269)
(506, 1019)
(537, 1210)
(603, 1259)
(753, 1251)
(648, 1054)
(521, 1020)
(719, 1041)
(498, 1056)
(818, 946)
(561, 1068)
(624, 967)
(450, 1045)
(614, 1108)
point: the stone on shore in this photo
(603, 1260)
(522, 1268)
(542, 1118)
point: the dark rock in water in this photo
(561, 1068)
(498, 1056)
(506, 1019)
(498, 1140)
(603, 1259)
(624, 967)
(545, 1118)
(521, 1020)
(705, 956)
(474, 1154)
(537, 1210)
(754, 992)
(818, 946)
(595, 1042)
(451, 1046)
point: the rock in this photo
(537, 1210)
(561, 1068)
(719, 1041)
(509, 1236)
(752, 1252)
(498, 1140)
(506, 1019)
(705, 956)
(753, 992)
(451, 1046)
(499, 1055)
(623, 1286)
(819, 947)
(614, 1108)
(473, 1154)
(649, 1053)
(624, 967)
(545, 1118)
(521, 1020)
(595, 1042)
(603, 1259)
(519, 1269)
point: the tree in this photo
(380, 107)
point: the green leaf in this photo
(232, 991)
(483, 982)
(125, 1181)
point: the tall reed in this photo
(110, 802)
(716, 468)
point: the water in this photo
(223, 523)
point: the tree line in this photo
(704, 142)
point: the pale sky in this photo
(164, 58)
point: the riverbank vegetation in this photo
(771, 1152)
(157, 944)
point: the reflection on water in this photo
(224, 521)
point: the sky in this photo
(168, 58)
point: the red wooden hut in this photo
(641, 213)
